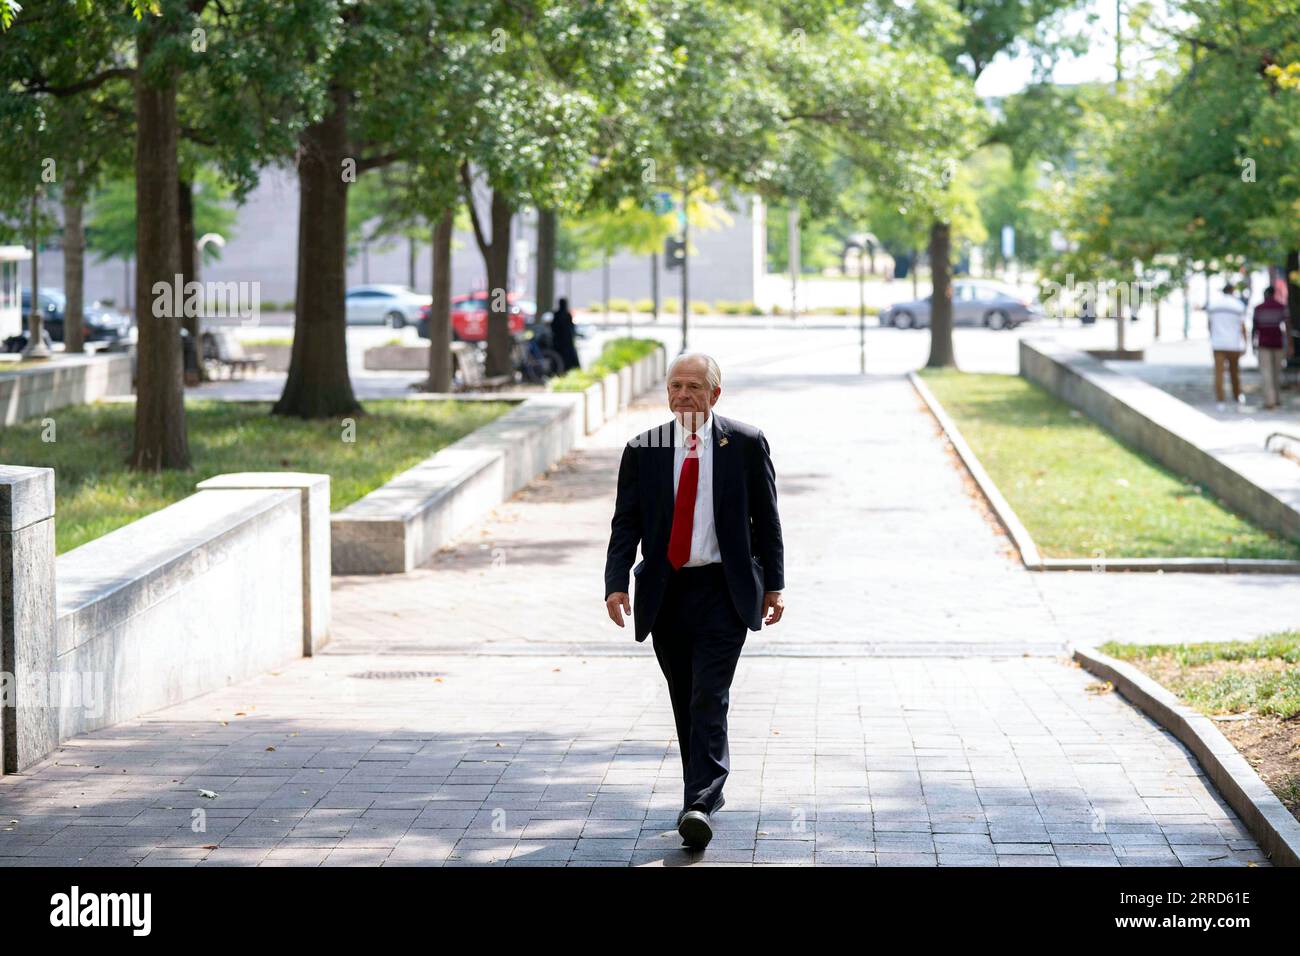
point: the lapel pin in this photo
(722, 442)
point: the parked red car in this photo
(469, 316)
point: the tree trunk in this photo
(941, 354)
(189, 270)
(546, 230)
(499, 358)
(74, 269)
(160, 434)
(440, 309)
(410, 262)
(1293, 294)
(318, 384)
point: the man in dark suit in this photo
(698, 493)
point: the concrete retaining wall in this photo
(1252, 481)
(205, 592)
(397, 527)
(397, 358)
(66, 380)
(608, 397)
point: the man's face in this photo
(689, 395)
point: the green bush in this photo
(620, 305)
(616, 354)
(700, 308)
(644, 305)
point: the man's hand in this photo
(618, 604)
(773, 607)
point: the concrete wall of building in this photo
(263, 243)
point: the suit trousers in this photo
(1270, 367)
(698, 636)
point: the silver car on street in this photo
(973, 303)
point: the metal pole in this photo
(654, 286)
(792, 230)
(862, 315)
(35, 347)
(686, 259)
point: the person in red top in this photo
(1269, 336)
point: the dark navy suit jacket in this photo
(744, 514)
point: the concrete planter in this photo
(276, 356)
(397, 527)
(610, 386)
(215, 588)
(63, 381)
(397, 358)
(594, 399)
(624, 386)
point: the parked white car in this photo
(390, 305)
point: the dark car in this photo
(99, 323)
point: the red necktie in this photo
(679, 541)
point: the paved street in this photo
(914, 707)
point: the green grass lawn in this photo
(95, 492)
(1079, 491)
(1262, 676)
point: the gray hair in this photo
(712, 370)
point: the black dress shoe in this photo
(722, 802)
(695, 829)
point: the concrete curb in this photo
(1029, 554)
(1272, 825)
(1006, 516)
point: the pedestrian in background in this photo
(1227, 316)
(1269, 333)
(562, 335)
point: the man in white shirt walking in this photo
(1227, 316)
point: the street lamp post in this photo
(862, 311)
(686, 258)
(861, 248)
(35, 347)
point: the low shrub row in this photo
(616, 354)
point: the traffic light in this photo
(674, 253)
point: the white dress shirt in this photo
(704, 535)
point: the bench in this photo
(225, 351)
(469, 371)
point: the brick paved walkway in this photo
(914, 707)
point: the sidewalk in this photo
(1185, 369)
(913, 708)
